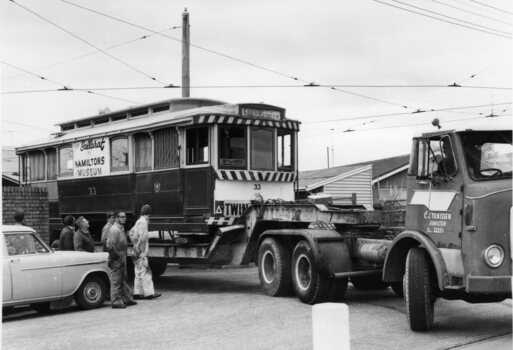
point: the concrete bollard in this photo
(330, 323)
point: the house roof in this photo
(315, 178)
(380, 167)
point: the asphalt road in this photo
(225, 309)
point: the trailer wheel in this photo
(418, 291)
(310, 286)
(157, 266)
(368, 283)
(274, 268)
(338, 289)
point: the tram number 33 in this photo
(92, 191)
(257, 187)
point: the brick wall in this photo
(33, 200)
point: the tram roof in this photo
(180, 113)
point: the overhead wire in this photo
(65, 87)
(88, 43)
(308, 82)
(472, 12)
(479, 8)
(450, 17)
(442, 20)
(91, 53)
(495, 8)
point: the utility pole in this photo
(332, 149)
(328, 156)
(186, 78)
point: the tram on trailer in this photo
(198, 162)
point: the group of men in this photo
(114, 241)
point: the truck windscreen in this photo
(488, 154)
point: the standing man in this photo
(117, 248)
(106, 228)
(19, 217)
(143, 282)
(82, 239)
(67, 233)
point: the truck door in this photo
(436, 198)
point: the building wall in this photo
(391, 188)
(34, 201)
(360, 183)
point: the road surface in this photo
(225, 309)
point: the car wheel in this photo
(310, 286)
(91, 293)
(158, 267)
(274, 268)
(418, 290)
(42, 308)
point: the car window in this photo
(21, 244)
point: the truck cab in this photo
(456, 243)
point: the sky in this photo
(375, 53)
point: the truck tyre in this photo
(157, 266)
(338, 289)
(91, 294)
(368, 283)
(417, 290)
(309, 285)
(274, 268)
(397, 287)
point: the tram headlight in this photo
(494, 255)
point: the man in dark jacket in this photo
(67, 233)
(82, 239)
(117, 248)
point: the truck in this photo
(221, 180)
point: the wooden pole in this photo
(186, 79)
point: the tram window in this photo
(142, 152)
(37, 166)
(119, 154)
(285, 149)
(51, 163)
(232, 147)
(262, 149)
(65, 161)
(197, 145)
(166, 148)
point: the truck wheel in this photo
(310, 286)
(417, 290)
(368, 283)
(397, 287)
(274, 268)
(91, 293)
(157, 266)
(338, 289)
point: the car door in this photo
(6, 277)
(35, 273)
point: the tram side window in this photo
(166, 148)
(142, 152)
(51, 160)
(285, 150)
(232, 147)
(197, 145)
(37, 166)
(262, 149)
(119, 154)
(65, 161)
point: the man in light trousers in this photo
(143, 282)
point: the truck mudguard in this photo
(330, 250)
(394, 267)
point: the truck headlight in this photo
(494, 255)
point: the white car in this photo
(35, 274)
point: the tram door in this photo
(197, 176)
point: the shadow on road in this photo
(207, 284)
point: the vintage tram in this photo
(198, 162)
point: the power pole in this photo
(186, 78)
